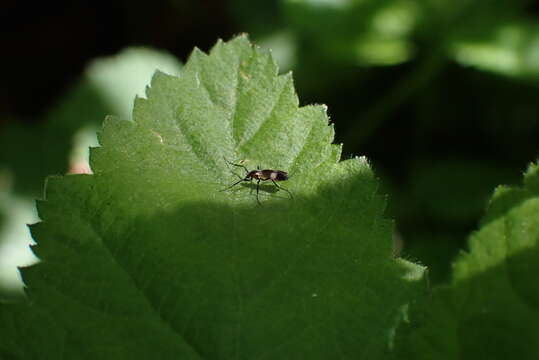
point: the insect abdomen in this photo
(280, 176)
(275, 175)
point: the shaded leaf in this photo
(491, 306)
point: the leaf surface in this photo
(148, 257)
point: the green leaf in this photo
(22, 339)
(491, 306)
(356, 32)
(509, 47)
(107, 86)
(147, 257)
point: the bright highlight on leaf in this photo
(147, 258)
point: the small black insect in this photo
(260, 175)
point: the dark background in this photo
(440, 131)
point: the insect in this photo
(260, 175)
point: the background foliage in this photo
(440, 97)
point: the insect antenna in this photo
(240, 178)
(238, 165)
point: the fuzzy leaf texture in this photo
(147, 258)
(491, 308)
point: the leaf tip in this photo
(139, 100)
(531, 177)
(362, 160)
(195, 56)
(242, 37)
(157, 76)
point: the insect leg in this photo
(257, 187)
(282, 188)
(239, 177)
(236, 183)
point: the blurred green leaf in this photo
(491, 306)
(359, 32)
(15, 213)
(509, 48)
(108, 86)
(147, 258)
(118, 79)
(369, 32)
(282, 45)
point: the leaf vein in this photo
(268, 117)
